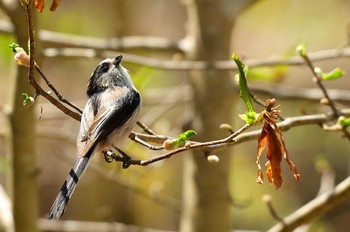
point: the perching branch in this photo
(215, 145)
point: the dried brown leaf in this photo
(274, 155)
(292, 166)
(54, 5)
(39, 5)
(261, 146)
(276, 148)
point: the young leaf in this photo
(243, 86)
(182, 138)
(344, 122)
(27, 100)
(334, 74)
(185, 136)
(14, 47)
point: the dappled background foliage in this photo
(151, 196)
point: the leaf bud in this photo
(168, 144)
(301, 50)
(213, 159)
(22, 58)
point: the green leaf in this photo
(344, 122)
(249, 116)
(185, 136)
(243, 86)
(334, 74)
(13, 46)
(270, 74)
(173, 143)
(27, 100)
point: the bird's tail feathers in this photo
(69, 185)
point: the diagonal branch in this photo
(31, 76)
(318, 80)
(318, 206)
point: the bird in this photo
(112, 109)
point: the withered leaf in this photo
(40, 4)
(261, 146)
(54, 4)
(274, 155)
(276, 148)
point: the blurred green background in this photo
(151, 196)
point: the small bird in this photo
(112, 110)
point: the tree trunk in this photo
(23, 140)
(206, 196)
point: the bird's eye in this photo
(105, 67)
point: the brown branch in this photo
(51, 38)
(235, 138)
(195, 65)
(96, 47)
(268, 200)
(31, 76)
(318, 80)
(57, 93)
(280, 91)
(317, 207)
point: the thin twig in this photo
(145, 128)
(207, 147)
(112, 176)
(59, 96)
(318, 80)
(31, 76)
(238, 136)
(268, 200)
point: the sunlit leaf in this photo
(334, 74)
(243, 86)
(181, 139)
(185, 136)
(276, 73)
(343, 121)
(14, 47)
(27, 100)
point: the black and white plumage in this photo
(108, 117)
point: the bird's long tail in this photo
(61, 201)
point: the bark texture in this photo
(206, 196)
